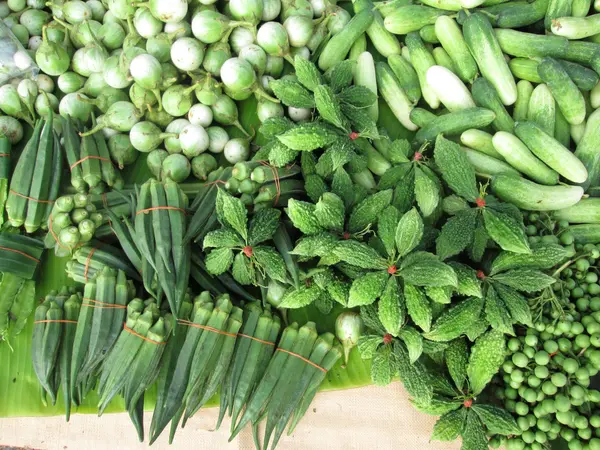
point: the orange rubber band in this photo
(87, 263)
(4, 155)
(104, 200)
(54, 321)
(20, 253)
(275, 180)
(101, 305)
(51, 230)
(76, 163)
(212, 183)
(156, 208)
(256, 339)
(308, 361)
(18, 194)
(204, 327)
(129, 330)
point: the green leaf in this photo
(366, 289)
(456, 321)
(292, 93)
(496, 313)
(457, 233)
(218, 261)
(302, 215)
(308, 136)
(315, 186)
(367, 345)
(439, 294)
(497, 420)
(303, 296)
(263, 225)
(508, 233)
(339, 153)
(330, 212)
(457, 358)
(308, 163)
(456, 169)
(449, 426)
(275, 125)
(418, 306)
(542, 256)
(413, 341)
(468, 284)
(414, 376)
(525, 280)
(370, 317)
(383, 366)
(359, 255)
(324, 303)
(339, 291)
(307, 73)
(367, 212)
(361, 121)
(342, 186)
(473, 434)
(517, 304)
(386, 229)
(487, 355)
(329, 107)
(321, 244)
(394, 176)
(223, 237)
(480, 241)
(281, 155)
(427, 193)
(438, 405)
(453, 204)
(477, 329)
(391, 307)
(424, 269)
(232, 212)
(409, 232)
(341, 75)
(358, 96)
(270, 260)
(243, 269)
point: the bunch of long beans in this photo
(89, 160)
(299, 363)
(134, 363)
(105, 300)
(36, 179)
(52, 343)
(90, 259)
(72, 222)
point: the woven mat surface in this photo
(372, 418)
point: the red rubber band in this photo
(204, 327)
(87, 263)
(76, 163)
(129, 330)
(256, 339)
(18, 194)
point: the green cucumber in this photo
(517, 16)
(339, 45)
(585, 79)
(562, 131)
(531, 196)
(421, 117)
(422, 59)
(452, 40)
(580, 52)
(393, 94)
(576, 27)
(409, 18)
(520, 157)
(525, 69)
(428, 35)
(542, 108)
(486, 96)
(455, 123)
(524, 92)
(481, 141)
(487, 166)
(486, 50)
(384, 42)
(580, 8)
(556, 9)
(577, 132)
(565, 92)
(588, 150)
(529, 45)
(448, 5)
(406, 76)
(588, 233)
(442, 58)
(364, 75)
(552, 152)
(586, 211)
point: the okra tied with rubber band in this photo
(16, 305)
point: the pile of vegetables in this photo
(241, 193)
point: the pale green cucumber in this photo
(481, 141)
(542, 108)
(587, 210)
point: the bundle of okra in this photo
(36, 179)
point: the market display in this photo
(239, 203)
